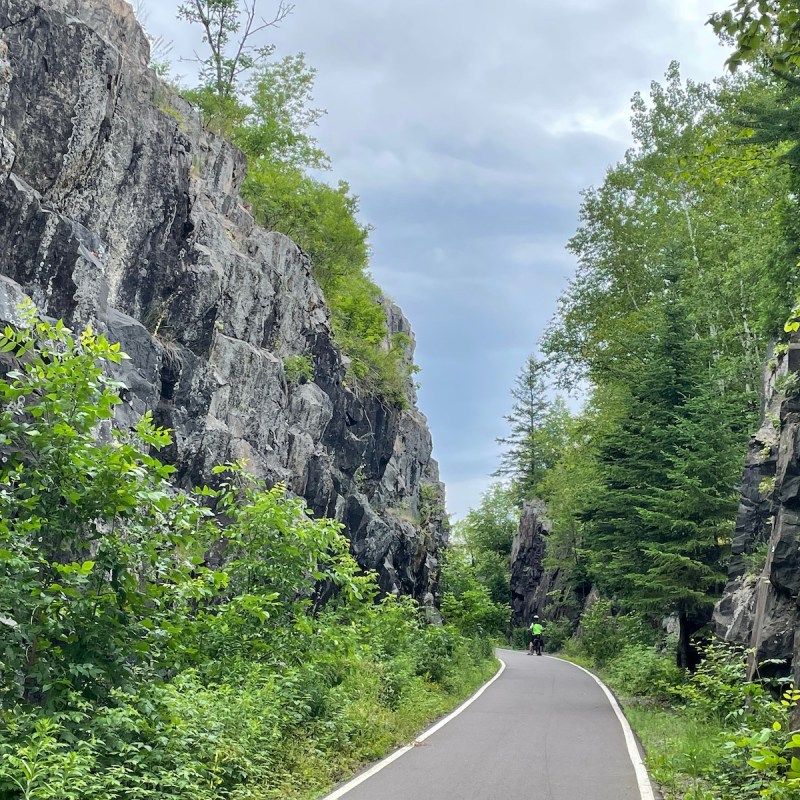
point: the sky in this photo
(468, 130)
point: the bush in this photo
(602, 635)
(759, 758)
(556, 633)
(520, 638)
(128, 668)
(640, 670)
(297, 368)
(718, 687)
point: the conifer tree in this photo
(524, 460)
(661, 515)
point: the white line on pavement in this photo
(642, 778)
(359, 779)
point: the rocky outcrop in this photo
(119, 209)
(759, 607)
(535, 589)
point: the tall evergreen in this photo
(658, 521)
(537, 430)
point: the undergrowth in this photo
(132, 665)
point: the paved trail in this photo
(544, 730)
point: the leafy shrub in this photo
(297, 367)
(467, 601)
(556, 633)
(760, 758)
(640, 670)
(473, 612)
(788, 384)
(89, 530)
(519, 638)
(129, 668)
(602, 635)
(718, 687)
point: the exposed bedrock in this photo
(119, 209)
(535, 589)
(759, 607)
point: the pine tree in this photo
(659, 519)
(524, 458)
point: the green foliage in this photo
(761, 28)
(687, 263)
(641, 670)
(665, 499)
(537, 431)
(718, 686)
(228, 28)
(96, 550)
(492, 525)
(772, 769)
(720, 737)
(603, 634)
(297, 367)
(431, 503)
(467, 602)
(281, 116)
(270, 122)
(557, 633)
(684, 750)
(788, 384)
(487, 533)
(133, 668)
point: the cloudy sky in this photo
(468, 130)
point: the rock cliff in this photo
(759, 607)
(534, 589)
(119, 209)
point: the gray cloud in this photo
(468, 132)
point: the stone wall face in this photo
(119, 209)
(535, 589)
(759, 607)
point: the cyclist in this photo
(535, 642)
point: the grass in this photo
(383, 731)
(681, 749)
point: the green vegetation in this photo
(767, 29)
(537, 431)
(135, 666)
(264, 107)
(481, 552)
(298, 368)
(686, 273)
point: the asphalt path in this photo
(545, 730)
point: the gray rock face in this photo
(119, 209)
(759, 607)
(534, 589)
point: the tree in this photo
(761, 28)
(694, 191)
(466, 598)
(281, 116)
(487, 533)
(523, 460)
(229, 29)
(657, 522)
(567, 490)
(98, 554)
